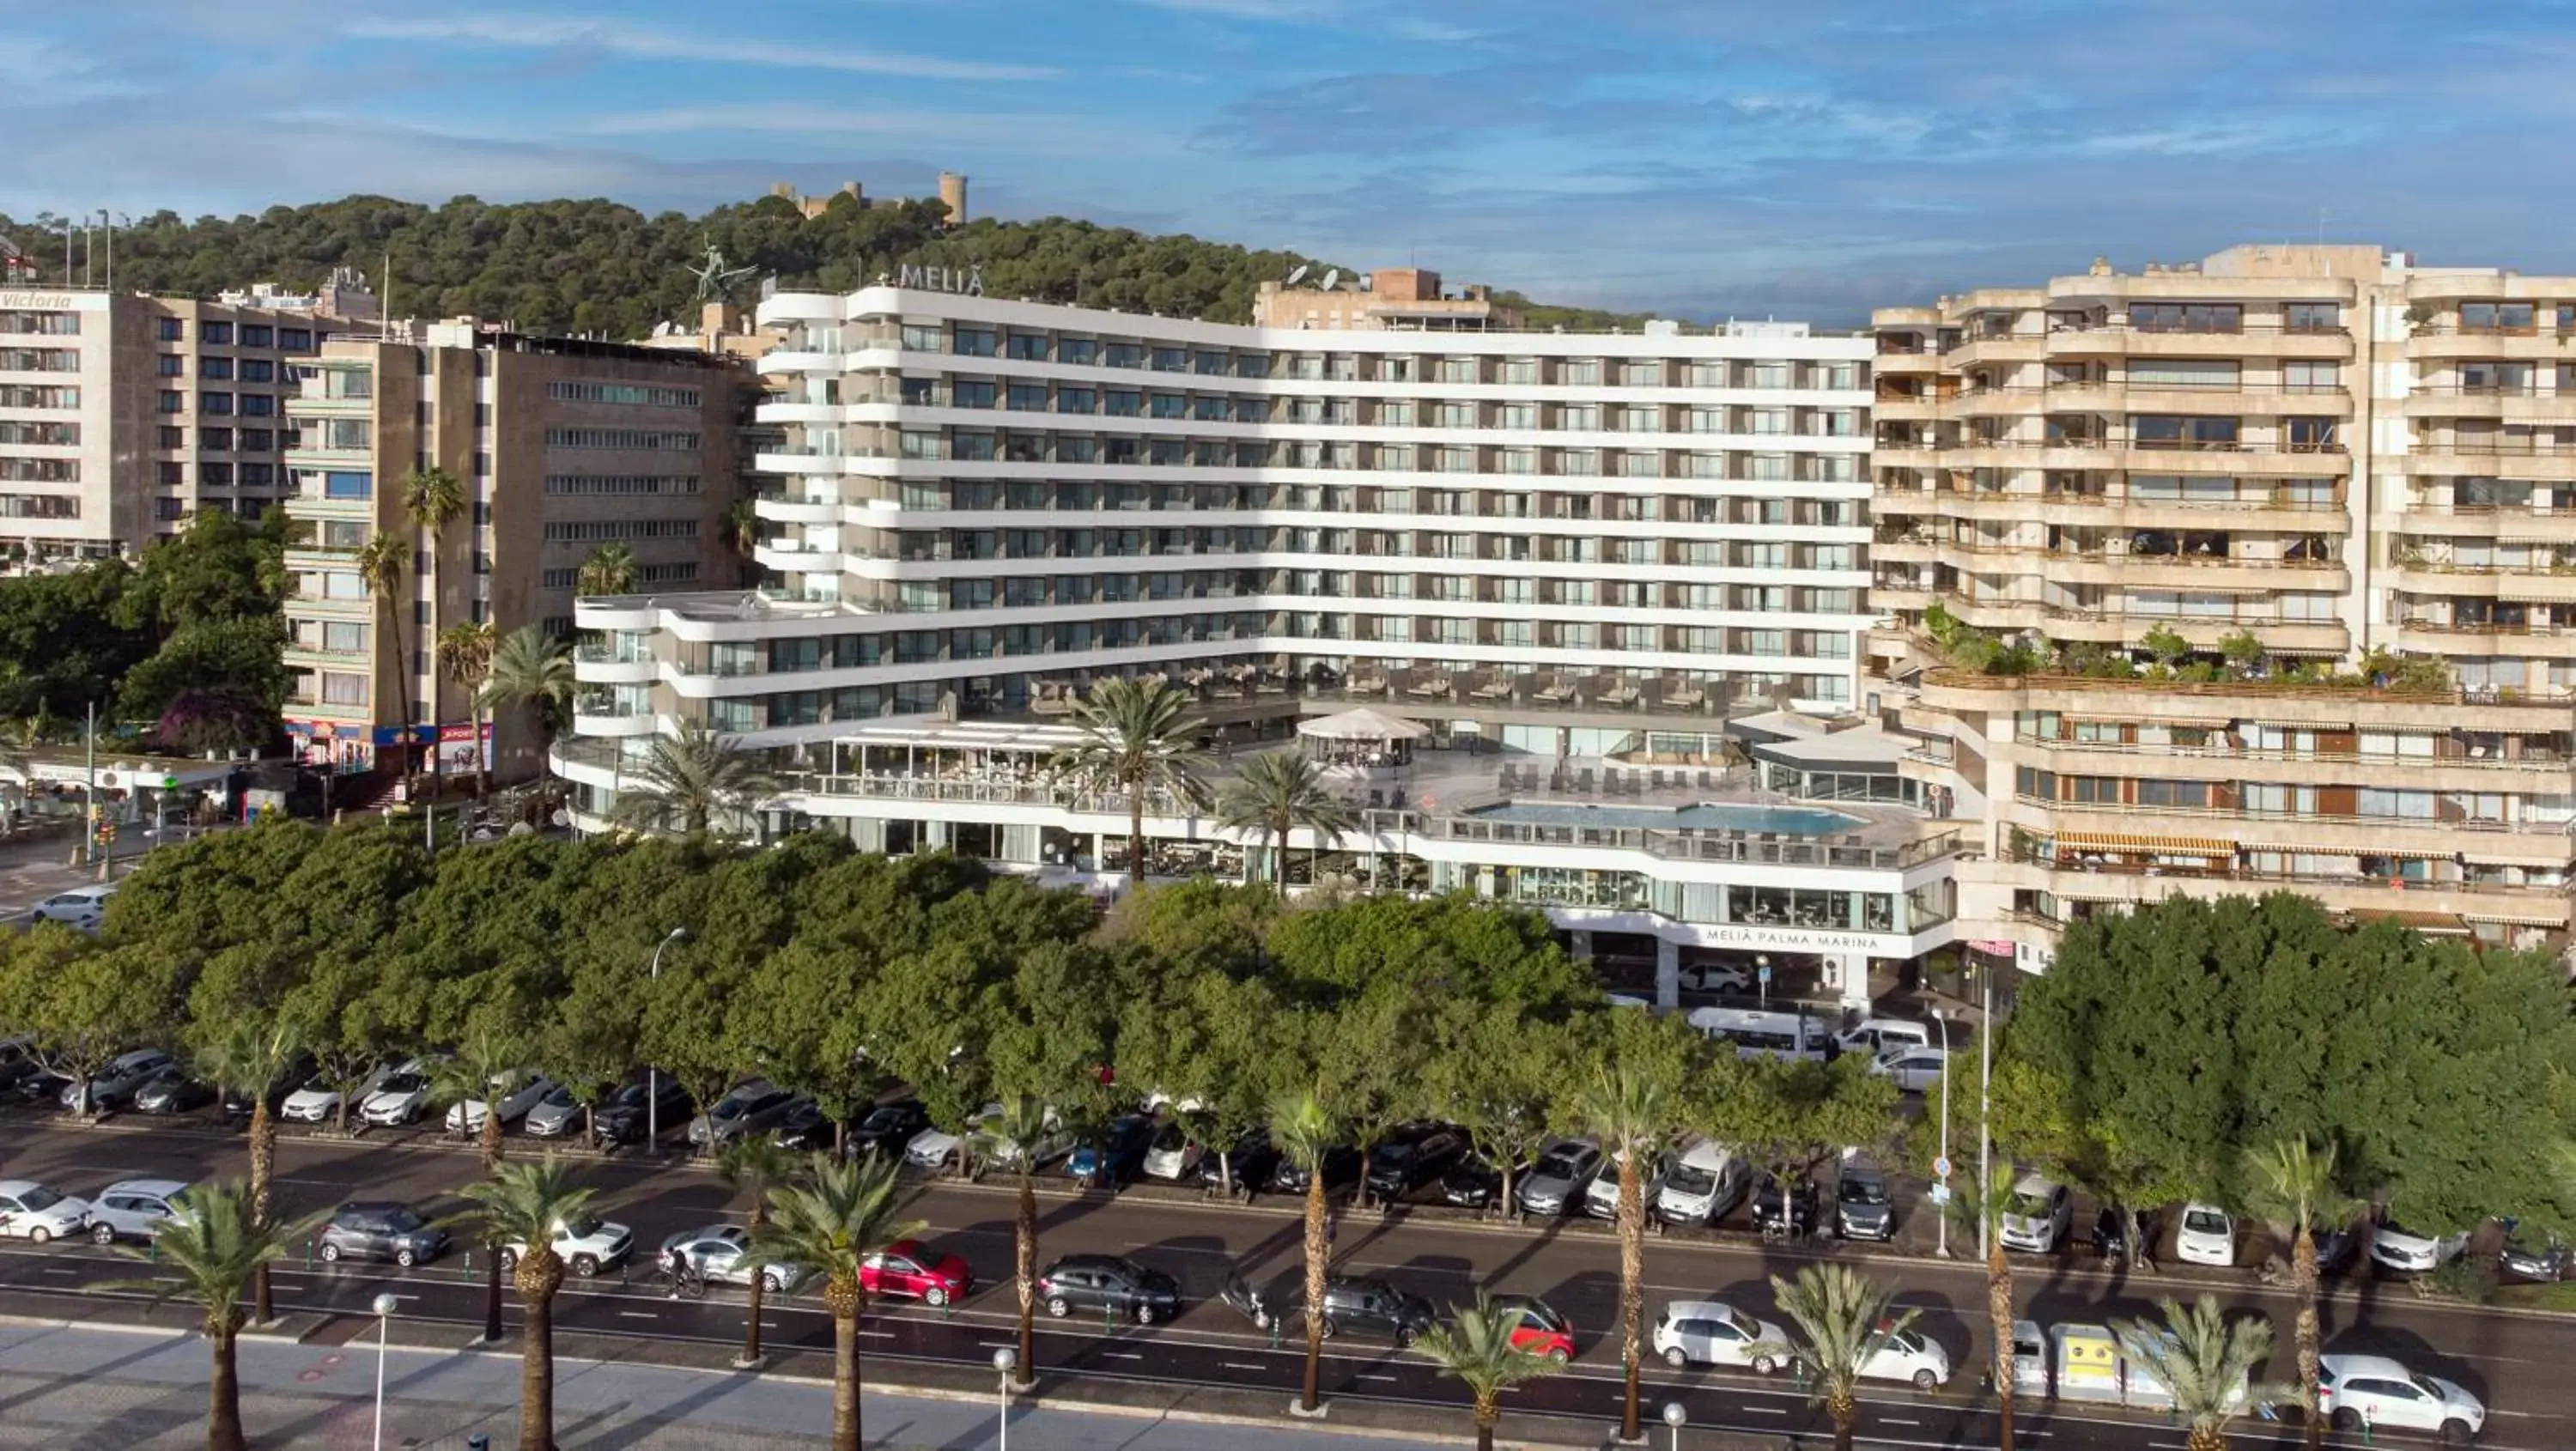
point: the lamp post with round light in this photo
(1675, 1417)
(1004, 1361)
(652, 1073)
(385, 1306)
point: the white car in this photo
(398, 1098)
(1717, 977)
(81, 907)
(1875, 1036)
(2400, 1248)
(1913, 1069)
(1712, 1332)
(2375, 1392)
(467, 1117)
(1909, 1355)
(718, 1253)
(318, 1101)
(36, 1214)
(2038, 1216)
(1172, 1155)
(132, 1208)
(586, 1244)
(1601, 1196)
(932, 1149)
(2207, 1236)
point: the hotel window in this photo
(215, 403)
(1028, 397)
(2311, 435)
(2312, 317)
(169, 329)
(1125, 403)
(976, 342)
(2311, 377)
(1579, 418)
(1171, 360)
(170, 365)
(1395, 456)
(219, 369)
(258, 370)
(1769, 375)
(1457, 370)
(339, 688)
(1641, 420)
(1582, 372)
(1767, 420)
(1579, 461)
(1457, 415)
(1082, 351)
(219, 334)
(1516, 461)
(256, 335)
(1641, 374)
(1705, 420)
(1767, 467)
(1708, 375)
(2187, 317)
(258, 405)
(2496, 317)
(1638, 465)
(1517, 415)
(966, 393)
(924, 338)
(1517, 370)
(1843, 376)
(1076, 400)
(1028, 347)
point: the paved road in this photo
(2508, 1360)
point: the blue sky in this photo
(1703, 157)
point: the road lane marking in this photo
(1899, 1421)
(1235, 1365)
(637, 1315)
(877, 1334)
(1120, 1355)
(1763, 1410)
(1364, 1375)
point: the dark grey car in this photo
(379, 1229)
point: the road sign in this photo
(1941, 1167)
(1940, 1193)
(1764, 972)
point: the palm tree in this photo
(465, 652)
(1025, 1119)
(1477, 1348)
(383, 563)
(524, 1205)
(2293, 1188)
(696, 776)
(532, 667)
(2207, 1362)
(610, 570)
(754, 1162)
(1630, 1112)
(739, 531)
(1273, 795)
(1139, 736)
(844, 1215)
(1305, 1131)
(432, 499)
(487, 1065)
(248, 1057)
(1978, 1208)
(216, 1241)
(1842, 1319)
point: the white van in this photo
(1601, 1196)
(1704, 1184)
(1758, 1034)
(1875, 1036)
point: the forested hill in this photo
(597, 266)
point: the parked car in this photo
(236, 1103)
(1341, 1165)
(911, 1270)
(1717, 978)
(556, 1115)
(888, 1127)
(1412, 1156)
(1712, 1332)
(1702, 1185)
(2206, 1236)
(2374, 1391)
(641, 1102)
(721, 1253)
(1911, 1067)
(1108, 1282)
(1474, 1180)
(511, 1104)
(1601, 1196)
(2111, 1231)
(1173, 1155)
(1909, 1355)
(587, 1244)
(18, 1061)
(807, 1128)
(42, 1086)
(2037, 1216)
(1367, 1306)
(1785, 1209)
(318, 1101)
(382, 1229)
(132, 1208)
(1557, 1179)
(1539, 1329)
(116, 1084)
(81, 907)
(749, 1109)
(401, 1097)
(1250, 1163)
(1115, 1155)
(933, 1148)
(2395, 1247)
(2338, 1247)
(34, 1213)
(1055, 1141)
(172, 1091)
(1875, 1036)
(1864, 1208)
(2519, 1258)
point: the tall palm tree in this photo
(2293, 1188)
(739, 531)
(755, 1162)
(845, 1214)
(610, 570)
(2207, 1362)
(214, 1243)
(696, 776)
(465, 652)
(1631, 1112)
(383, 563)
(1025, 1119)
(487, 1065)
(532, 667)
(1978, 1208)
(1842, 1319)
(1476, 1347)
(432, 499)
(1304, 1130)
(523, 1205)
(247, 1057)
(1273, 795)
(1138, 737)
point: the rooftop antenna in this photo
(1297, 275)
(1332, 279)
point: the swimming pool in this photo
(1785, 820)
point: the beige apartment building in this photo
(1405, 298)
(121, 414)
(563, 446)
(2305, 457)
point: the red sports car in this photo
(1541, 1330)
(913, 1270)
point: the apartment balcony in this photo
(604, 716)
(2246, 400)
(2004, 348)
(2524, 403)
(2541, 774)
(316, 405)
(2446, 342)
(810, 509)
(300, 657)
(2258, 509)
(2527, 462)
(2121, 340)
(794, 556)
(311, 607)
(2430, 906)
(2191, 703)
(2482, 640)
(2539, 584)
(2535, 843)
(613, 661)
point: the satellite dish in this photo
(1297, 276)
(1332, 279)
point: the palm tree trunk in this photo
(490, 1148)
(263, 1165)
(1999, 1309)
(2303, 1281)
(1316, 1251)
(1024, 1268)
(537, 1374)
(223, 1398)
(1135, 836)
(1487, 1413)
(1279, 830)
(482, 764)
(402, 693)
(2205, 1438)
(752, 1293)
(845, 1373)
(1844, 1412)
(1632, 1287)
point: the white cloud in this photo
(636, 42)
(1018, 132)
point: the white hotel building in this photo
(1574, 566)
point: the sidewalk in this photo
(103, 1388)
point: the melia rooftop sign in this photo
(963, 281)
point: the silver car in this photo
(1557, 1180)
(132, 1208)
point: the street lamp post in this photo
(1942, 1246)
(1985, 1089)
(384, 1307)
(1004, 1360)
(652, 1074)
(1675, 1417)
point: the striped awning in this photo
(2150, 845)
(2405, 853)
(2329, 723)
(2514, 919)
